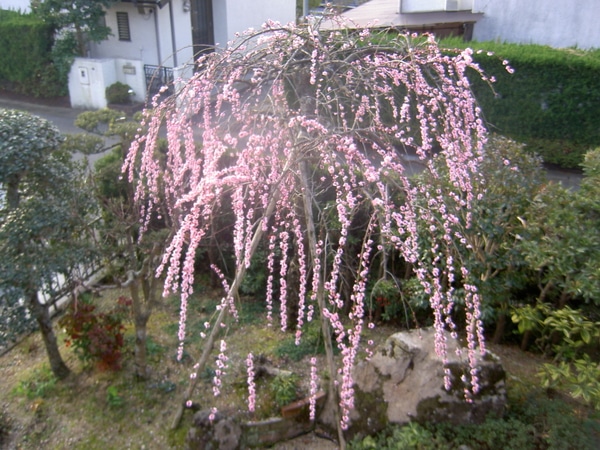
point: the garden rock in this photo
(222, 433)
(404, 381)
(228, 433)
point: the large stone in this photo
(404, 381)
(220, 433)
(233, 433)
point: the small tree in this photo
(132, 258)
(83, 18)
(45, 211)
(288, 120)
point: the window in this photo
(123, 26)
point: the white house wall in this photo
(144, 44)
(557, 23)
(180, 52)
(235, 16)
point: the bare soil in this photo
(93, 409)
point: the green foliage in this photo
(83, 143)
(411, 436)
(251, 311)
(310, 344)
(556, 424)
(39, 384)
(26, 42)
(85, 17)
(387, 300)
(568, 335)
(508, 180)
(284, 389)
(560, 240)
(98, 122)
(63, 54)
(45, 210)
(96, 337)
(580, 377)
(533, 422)
(551, 102)
(107, 176)
(118, 93)
(255, 281)
(113, 397)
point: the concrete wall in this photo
(89, 79)
(557, 23)
(235, 16)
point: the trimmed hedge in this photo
(551, 101)
(25, 46)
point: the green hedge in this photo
(25, 45)
(551, 101)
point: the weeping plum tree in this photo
(287, 119)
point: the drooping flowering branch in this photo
(289, 117)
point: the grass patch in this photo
(311, 344)
(39, 383)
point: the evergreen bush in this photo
(26, 42)
(551, 102)
(118, 93)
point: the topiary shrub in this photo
(119, 93)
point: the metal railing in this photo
(156, 78)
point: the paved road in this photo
(63, 118)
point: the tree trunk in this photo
(141, 314)
(500, 328)
(140, 353)
(80, 41)
(525, 340)
(293, 298)
(233, 291)
(333, 396)
(42, 315)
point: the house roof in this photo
(386, 13)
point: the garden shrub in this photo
(386, 300)
(96, 337)
(311, 344)
(98, 122)
(284, 389)
(560, 239)
(551, 101)
(561, 243)
(26, 42)
(118, 93)
(509, 180)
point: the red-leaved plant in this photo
(96, 337)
